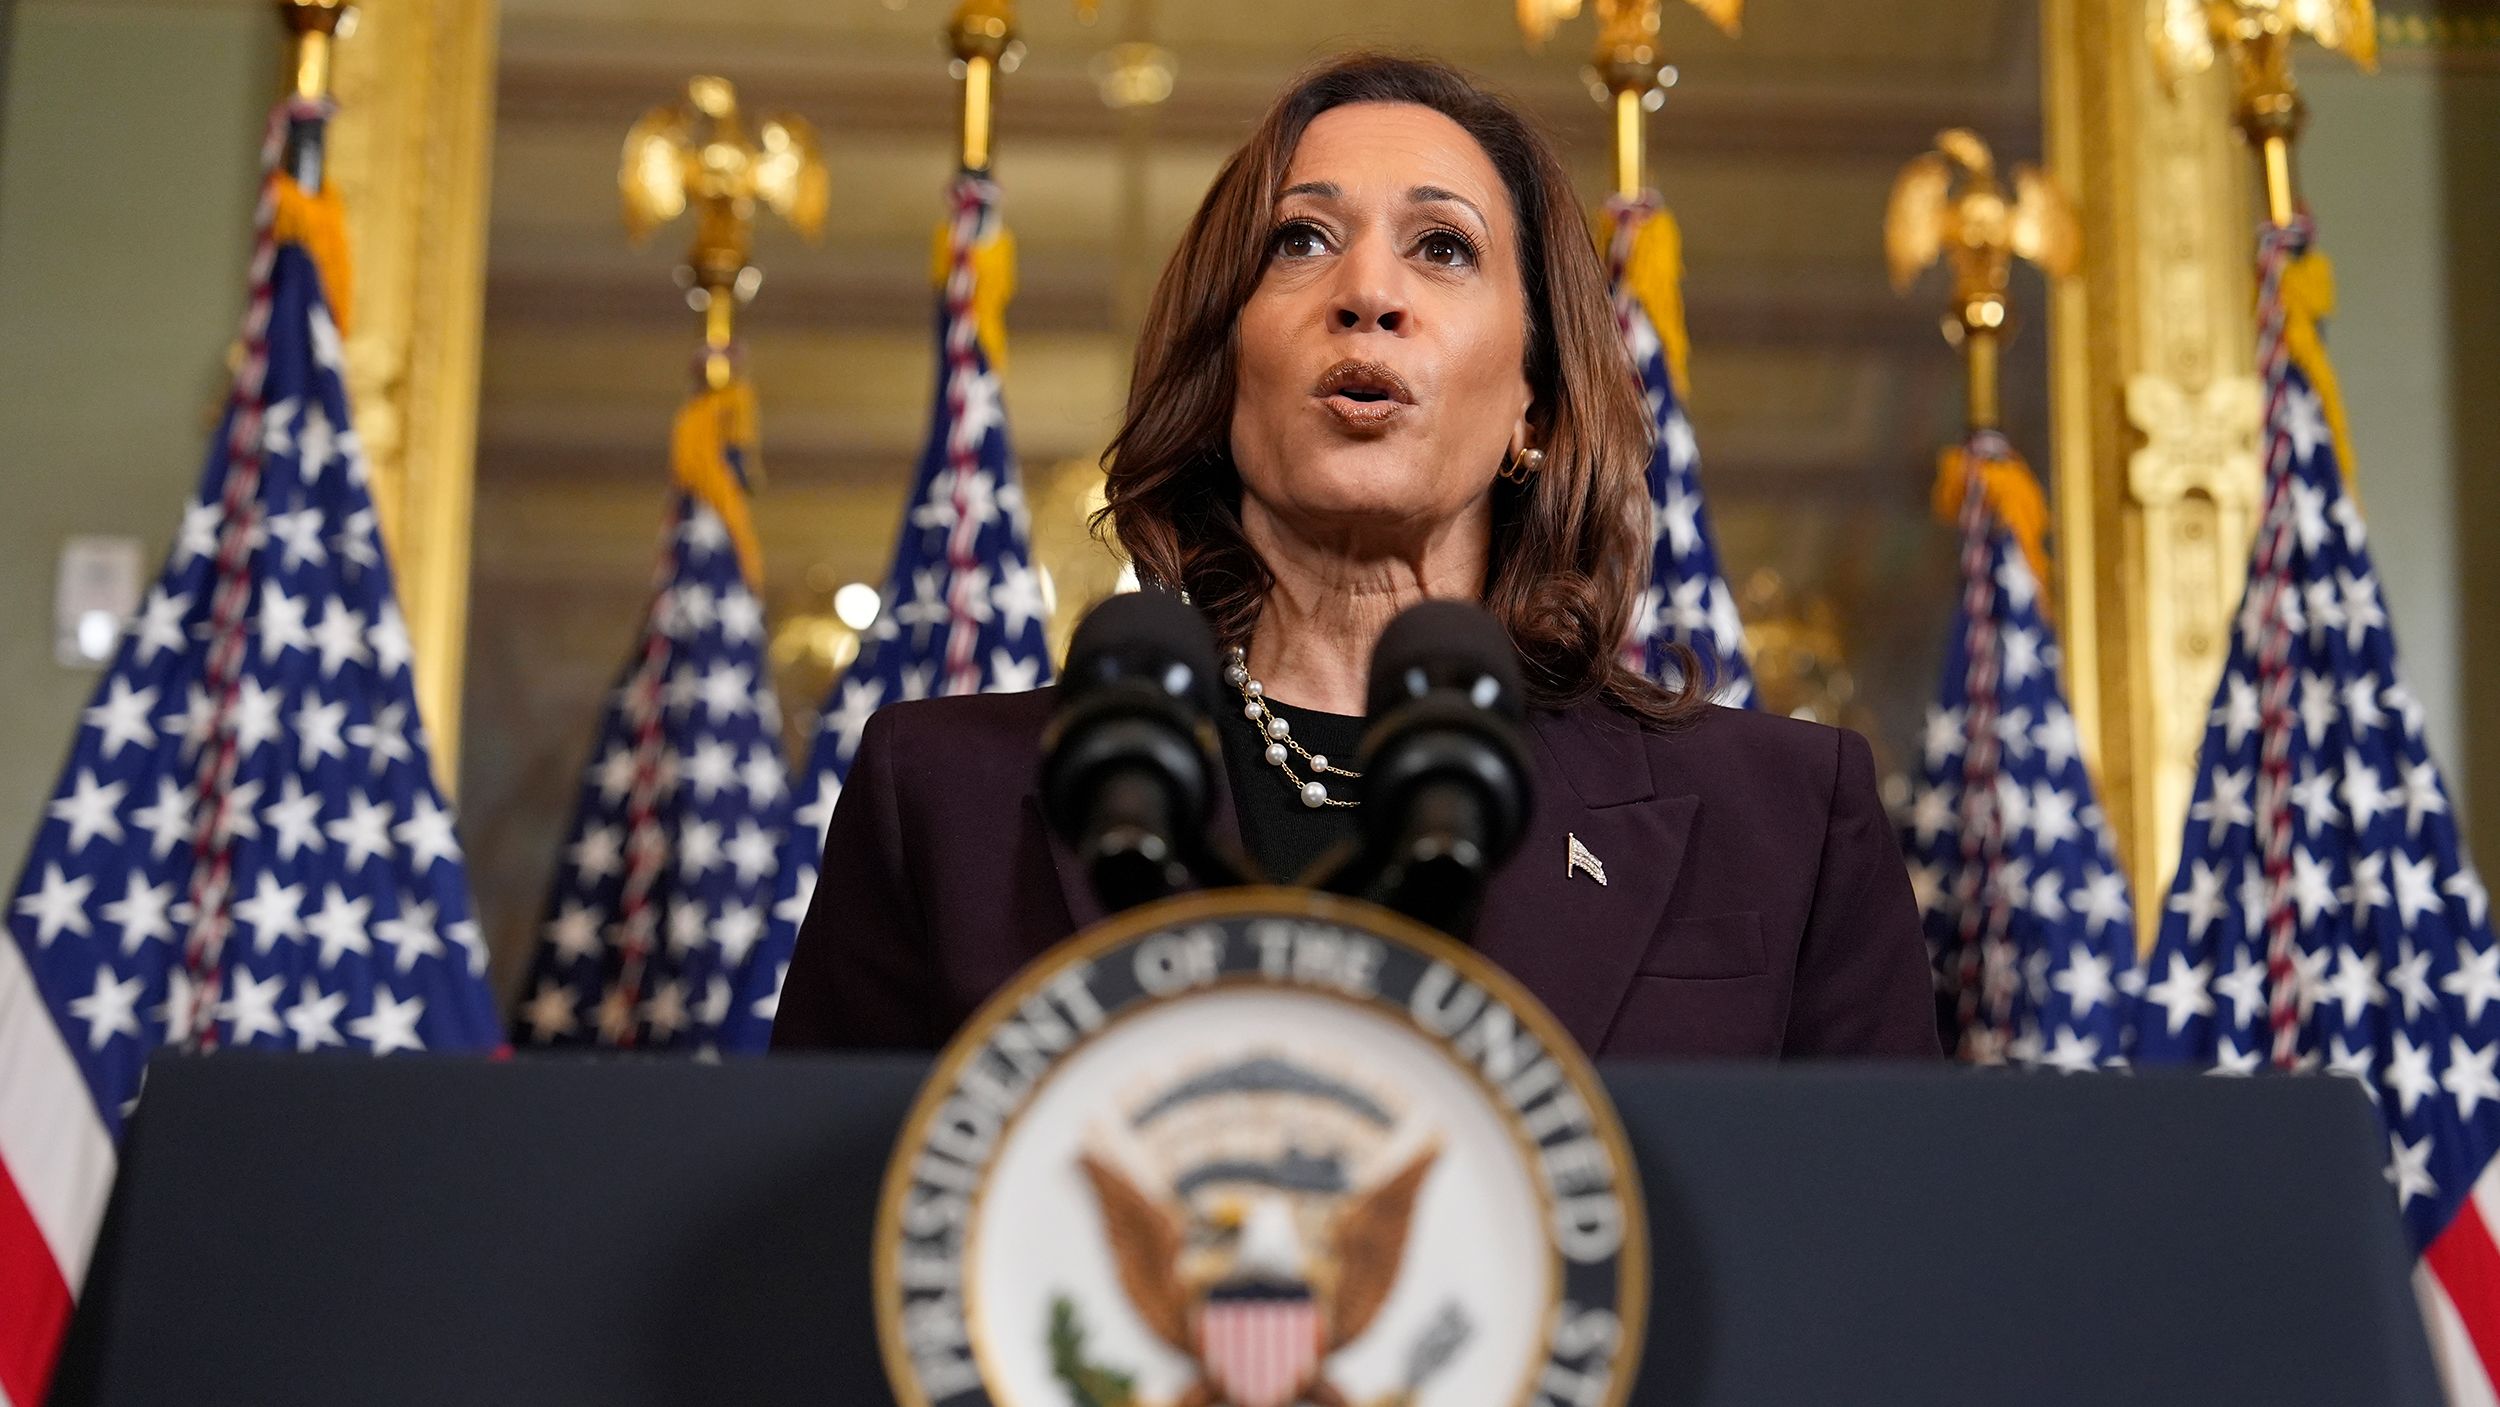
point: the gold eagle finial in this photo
(699, 152)
(1981, 232)
(1979, 228)
(2188, 34)
(1538, 19)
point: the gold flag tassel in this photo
(316, 222)
(2014, 499)
(1653, 273)
(709, 425)
(2308, 300)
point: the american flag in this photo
(2324, 915)
(964, 608)
(1687, 601)
(2027, 911)
(247, 846)
(667, 870)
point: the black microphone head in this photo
(1446, 777)
(1147, 638)
(1129, 759)
(1447, 647)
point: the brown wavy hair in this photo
(1570, 547)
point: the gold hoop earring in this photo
(1523, 466)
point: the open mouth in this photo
(1363, 382)
(1363, 393)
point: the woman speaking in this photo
(1382, 368)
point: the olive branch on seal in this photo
(1088, 1384)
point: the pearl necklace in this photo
(1279, 735)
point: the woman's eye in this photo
(1444, 247)
(1299, 241)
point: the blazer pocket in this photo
(1723, 945)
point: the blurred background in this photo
(1819, 396)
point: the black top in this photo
(1283, 835)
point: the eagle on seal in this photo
(1235, 1282)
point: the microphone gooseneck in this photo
(1128, 759)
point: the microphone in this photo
(1446, 779)
(1128, 759)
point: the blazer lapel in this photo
(1575, 942)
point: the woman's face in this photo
(1381, 377)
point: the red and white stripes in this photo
(1628, 212)
(1260, 1353)
(1984, 973)
(2458, 1284)
(56, 1167)
(967, 594)
(2278, 246)
(646, 838)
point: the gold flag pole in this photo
(1628, 63)
(1982, 232)
(982, 36)
(2258, 34)
(1628, 69)
(699, 152)
(317, 26)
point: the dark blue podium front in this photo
(347, 1231)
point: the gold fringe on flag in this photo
(2308, 300)
(1654, 272)
(710, 423)
(317, 224)
(2014, 498)
(993, 283)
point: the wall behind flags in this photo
(128, 148)
(2402, 169)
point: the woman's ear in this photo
(1525, 433)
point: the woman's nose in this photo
(1367, 293)
(1362, 312)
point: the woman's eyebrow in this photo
(1418, 195)
(1426, 195)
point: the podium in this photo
(424, 1231)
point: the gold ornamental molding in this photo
(2156, 410)
(409, 154)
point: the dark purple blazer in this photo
(1756, 903)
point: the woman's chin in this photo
(1355, 504)
(1357, 483)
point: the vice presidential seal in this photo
(1258, 1149)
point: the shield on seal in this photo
(1260, 1349)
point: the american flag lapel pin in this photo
(1581, 861)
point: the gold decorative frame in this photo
(2156, 410)
(410, 155)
